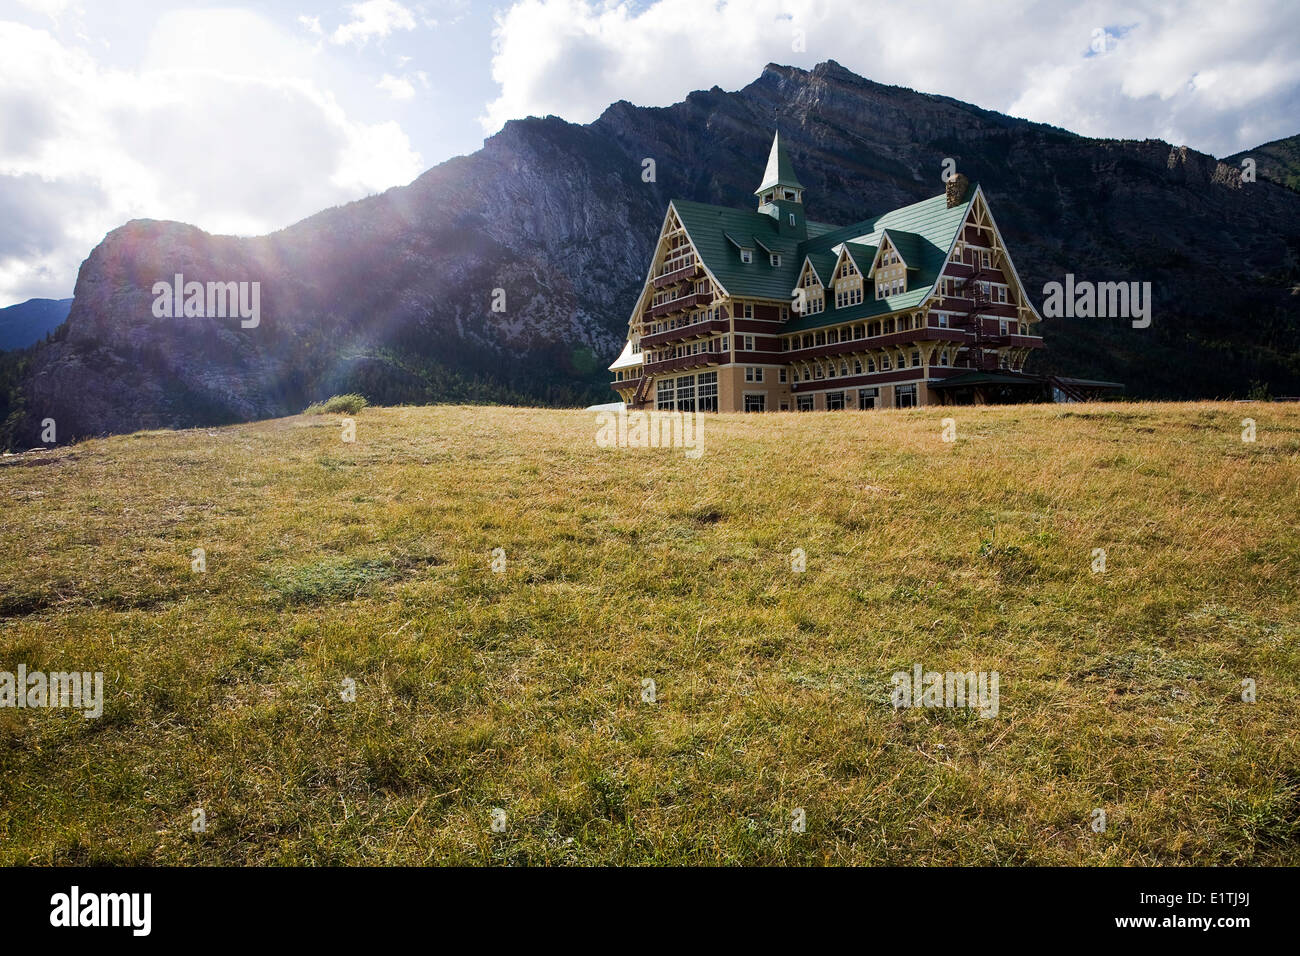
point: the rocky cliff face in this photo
(394, 295)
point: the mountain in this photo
(23, 324)
(1278, 161)
(393, 295)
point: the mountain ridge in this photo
(25, 323)
(392, 295)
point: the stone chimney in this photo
(955, 189)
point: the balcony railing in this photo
(927, 333)
(707, 327)
(684, 361)
(689, 268)
(1016, 341)
(680, 304)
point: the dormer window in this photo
(746, 255)
(774, 258)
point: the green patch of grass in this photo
(348, 404)
(336, 580)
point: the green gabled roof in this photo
(780, 171)
(909, 245)
(930, 227)
(709, 228)
(823, 264)
(924, 231)
(863, 255)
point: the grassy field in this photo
(371, 562)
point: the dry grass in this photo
(476, 690)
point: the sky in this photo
(244, 117)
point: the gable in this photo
(923, 234)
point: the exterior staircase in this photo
(1069, 391)
(642, 390)
(971, 289)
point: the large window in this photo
(755, 403)
(847, 297)
(834, 401)
(905, 396)
(708, 391)
(664, 395)
(867, 397)
(805, 403)
(686, 393)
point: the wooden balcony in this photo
(700, 360)
(692, 270)
(889, 340)
(707, 327)
(1016, 341)
(626, 383)
(681, 304)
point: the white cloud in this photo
(222, 126)
(54, 9)
(311, 23)
(1221, 77)
(397, 87)
(373, 19)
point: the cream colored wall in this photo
(732, 388)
